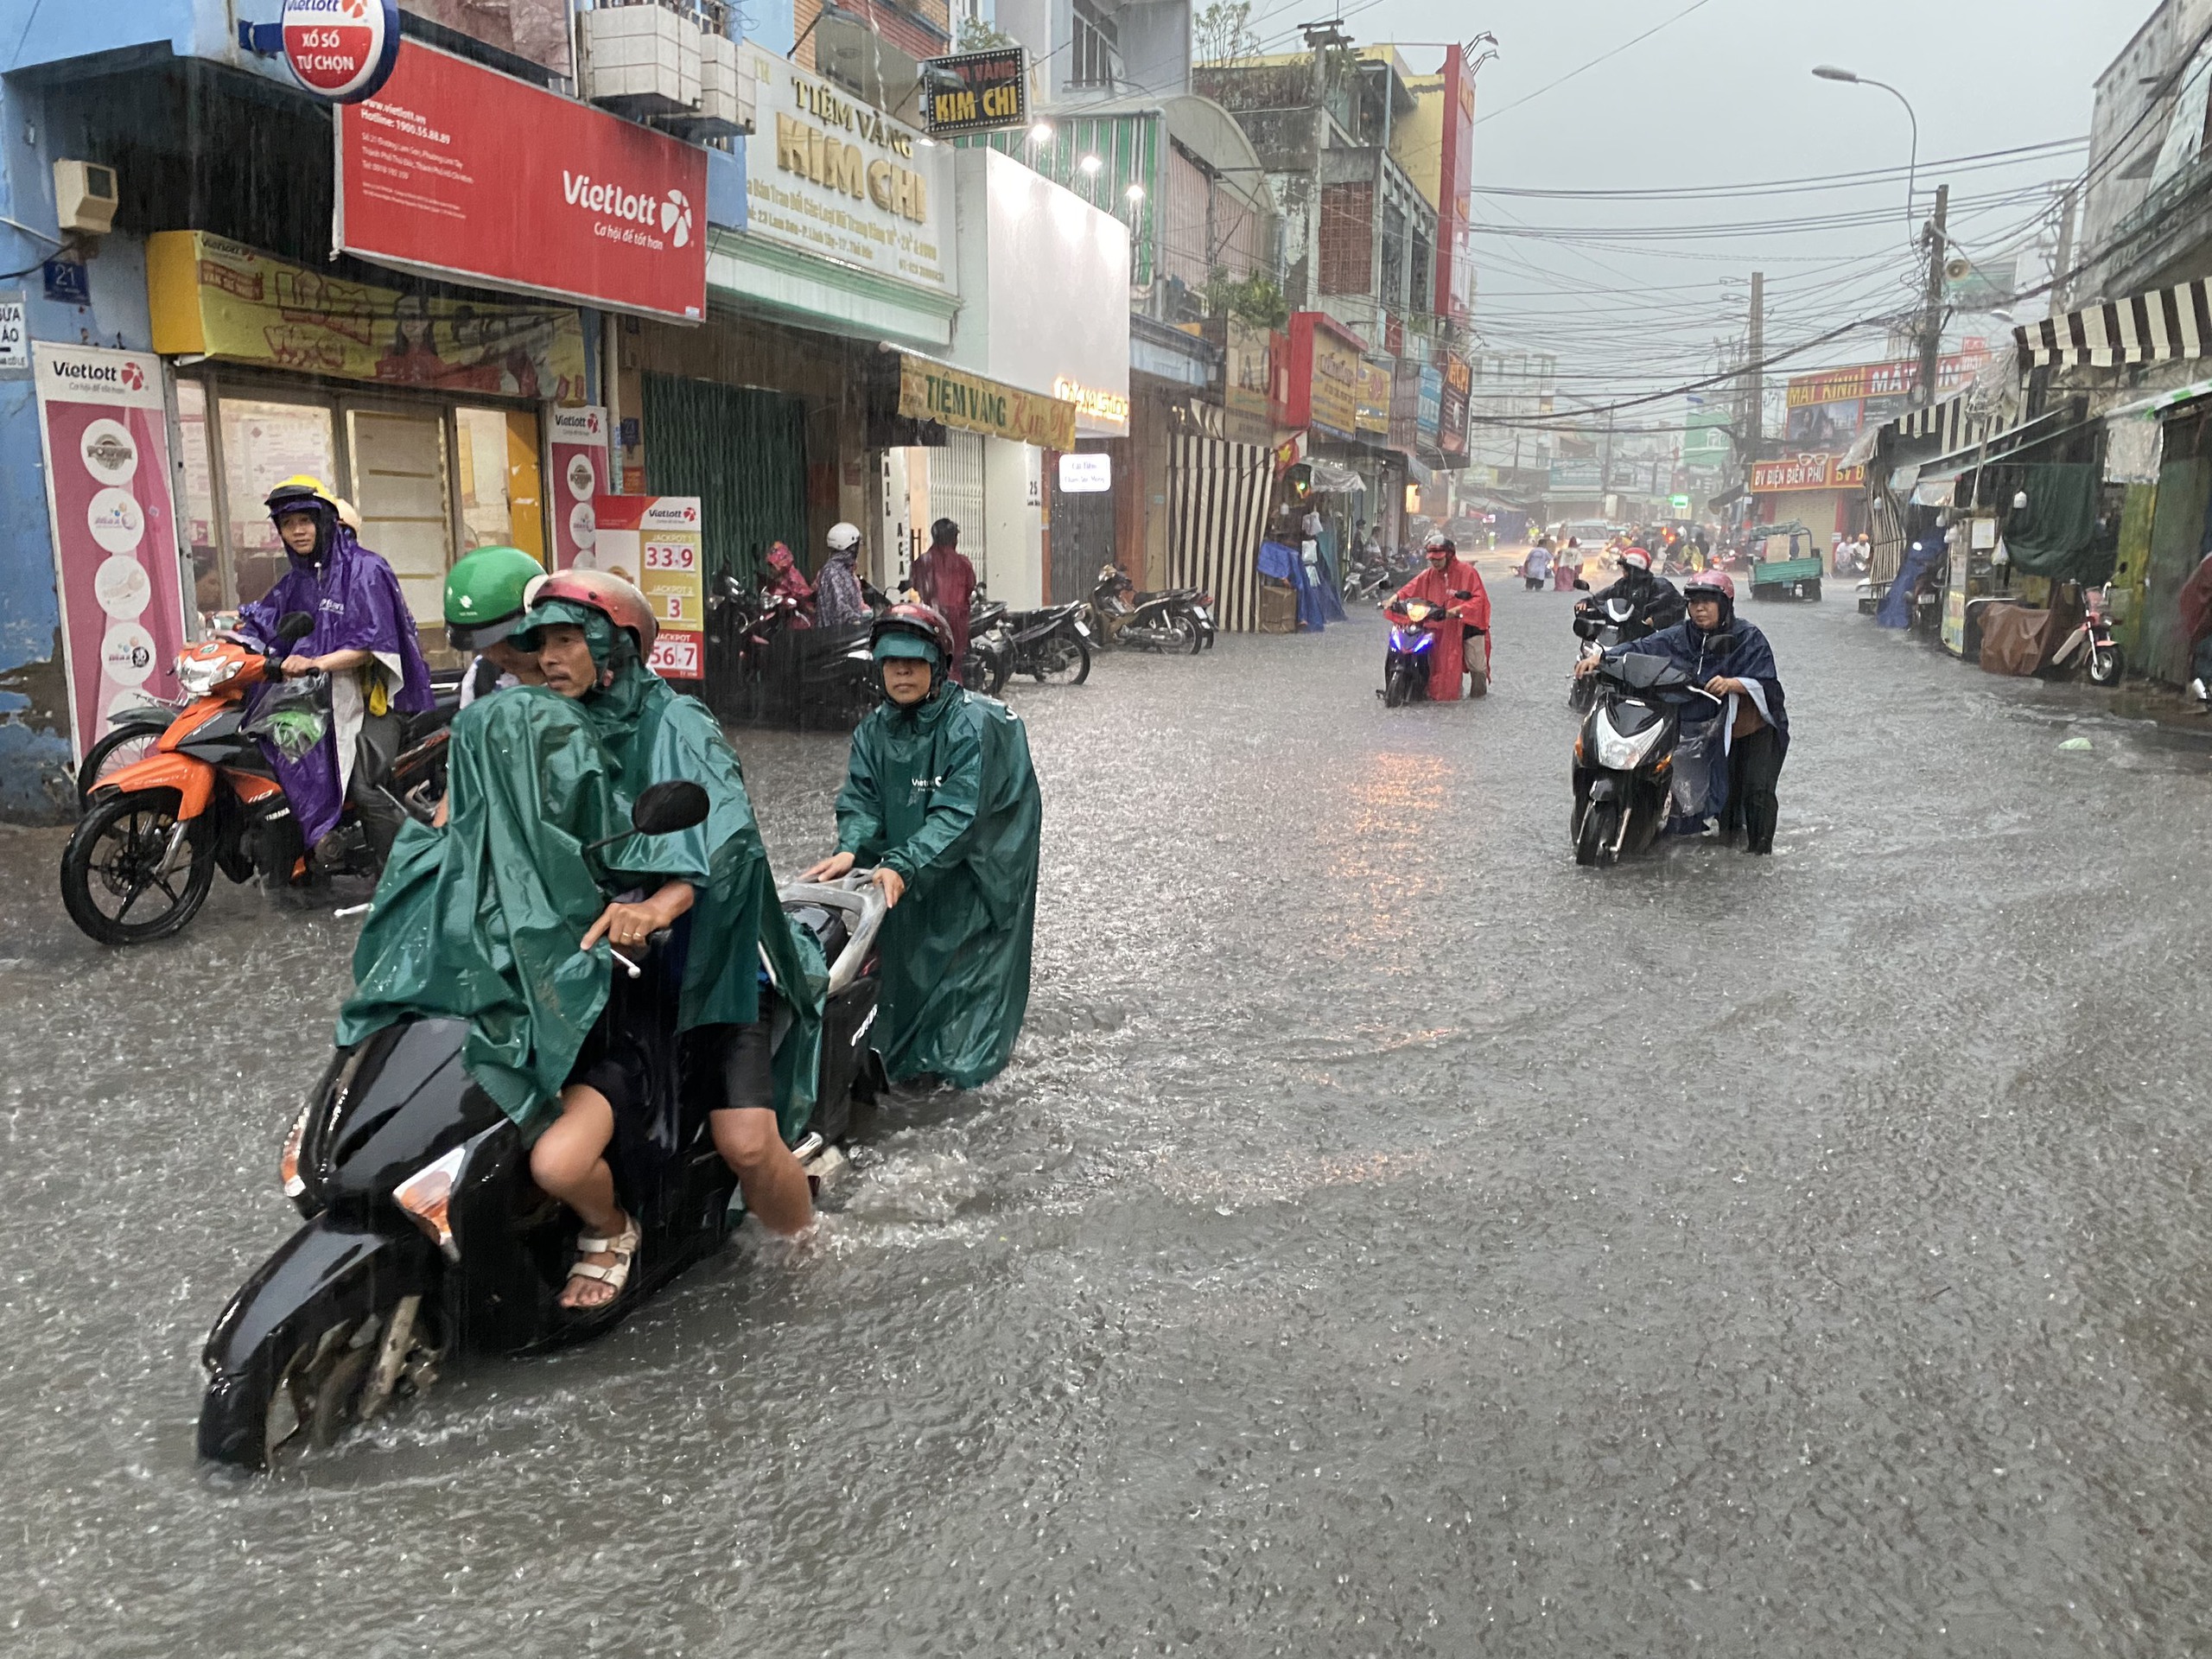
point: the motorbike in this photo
(1626, 753)
(424, 1240)
(1412, 647)
(2091, 645)
(787, 666)
(1180, 620)
(207, 798)
(990, 651)
(1367, 576)
(1052, 645)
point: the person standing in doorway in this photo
(946, 582)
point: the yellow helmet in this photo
(297, 491)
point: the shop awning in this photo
(1953, 423)
(930, 390)
(2158, 327)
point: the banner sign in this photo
(1578, 476)
(1086, 474)
(212, 297)
(1374, 414)
(930, 391)
(1452, 420)
(655, 541)
(105, 435)
(977, 92)
(1807, 472)
(342, 50)
(577, 447)
(458, 171)
(829, 176)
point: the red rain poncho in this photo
(1436, 588)
(947, 581)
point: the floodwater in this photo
(1389, 1238)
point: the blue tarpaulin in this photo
(1287, 563)
(1895, 610)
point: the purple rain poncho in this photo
(357, 606)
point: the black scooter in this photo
(1625, 755)
(1052, 645)
(425, 1237)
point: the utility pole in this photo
(1931, 315)
(1756, 387)
(2064, 268)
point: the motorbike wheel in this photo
(311, 1395)
(1062, 661)
(985, 670)
(114, 864)
(1593, 838)
(1400, 688)
(114, 751)
(1183, 636)
(2106, 665)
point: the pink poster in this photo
(105, 432)
(578, 443)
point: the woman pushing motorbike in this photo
(501, 916)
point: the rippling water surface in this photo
(1389, 1238)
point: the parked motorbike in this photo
(1406, 662)
(145, 856)
(990, 650)
(1052, 645)
(425, 1239)
(2091, 646)
(1178, 621)
(1367, 576)
(777, 664)
(1626, 753)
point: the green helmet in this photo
(485, 595)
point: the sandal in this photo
(623, 1248)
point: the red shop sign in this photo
(456, 170)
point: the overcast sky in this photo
(1723, 95)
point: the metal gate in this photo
(742, 451)
(956, 493)
(1083, 537)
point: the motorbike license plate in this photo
(1083, 629)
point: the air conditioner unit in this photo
(84, 196)
(643, 60)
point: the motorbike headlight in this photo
(426, 1194)
(1617, 752)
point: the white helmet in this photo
(843, 536)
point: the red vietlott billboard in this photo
(456, 170)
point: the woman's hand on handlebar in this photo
(828, 869)
(1721, 686)
(631, 925)
(1589, 664)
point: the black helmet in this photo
(944, 533)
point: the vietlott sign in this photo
(930, 391)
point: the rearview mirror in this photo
(664, 809)
(296, 626)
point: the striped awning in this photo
(2160, 327)
(1951, 421)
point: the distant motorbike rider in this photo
(941, 799)
(1657, 604)
(783, 580)
(839, 602)
(485, 599)
(1454, 587)
(1732, 660)
(500, 917)
(946, 582)
(365, 641)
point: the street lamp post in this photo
(1830, 72)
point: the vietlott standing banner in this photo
(105, 435)
(578, 446)
(654, 541)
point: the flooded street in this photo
(1389, 1237)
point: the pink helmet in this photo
(1712, 581)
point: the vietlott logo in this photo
(632, 216)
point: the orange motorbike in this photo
(206, 799)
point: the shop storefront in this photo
(425, 412)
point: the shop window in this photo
(264, 443)
(210, 592)
(400, 487)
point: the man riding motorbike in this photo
(1454, 587)
(365, 641)
(484, 600)
(501, 917)
(939, 796)
(946, 582)
(1732, 660)
(1657, 605)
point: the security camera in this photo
(84, 197)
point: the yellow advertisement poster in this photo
(1336, 385)
(930, 391)
(213, 297)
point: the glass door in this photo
(402, 488)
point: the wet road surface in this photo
(1389, 1239)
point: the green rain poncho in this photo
(944, 794)
(480, 920)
